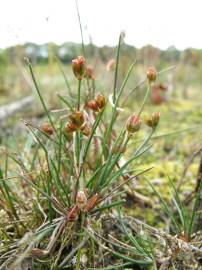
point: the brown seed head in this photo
(153, 120)
(70, 127)
(100, 100)
(78, 67)
(89, 73)
(77, 119)
(133, 124)
(92, 105)
(91, 202)
(81, 200)
(151, 74)
(148, 120)
(47, 128)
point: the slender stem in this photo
(81, 30)
(144, 142)
(116, 70)
(79, 95)
(64, 75)
(109, 166)
(77, 147)
(114, 112)
(39, 93)
(94, 128)
(78, 263)
(145, 99)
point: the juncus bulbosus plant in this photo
(75, 174)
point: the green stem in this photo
(110, 165)
(39, 93)
(79, 95)
(81, 30)
(94, 128)
(78, 263)
(144, 142)
(145, 99)
(114, 111)
(116, 70)
(64, 75)
(77, 147)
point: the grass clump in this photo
(65, 210)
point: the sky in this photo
(161, 23)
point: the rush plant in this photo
(71, 176)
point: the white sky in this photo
(158, 22)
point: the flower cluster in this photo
(133, 124)
(152, 120)
(79, 67)
(47, 128)
(77, 122)
(97, 104)
(82, 204)
(151, 74)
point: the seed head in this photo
(100, 100)
(153, 120)
(77, 119)
(92, 105)
(78, 67)
(151, 74)
(70, 127)
(148, 120)
(89, 73)
(91, 202)
(81, 200)
(133, 124)
(97, 104)
(47, 128)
